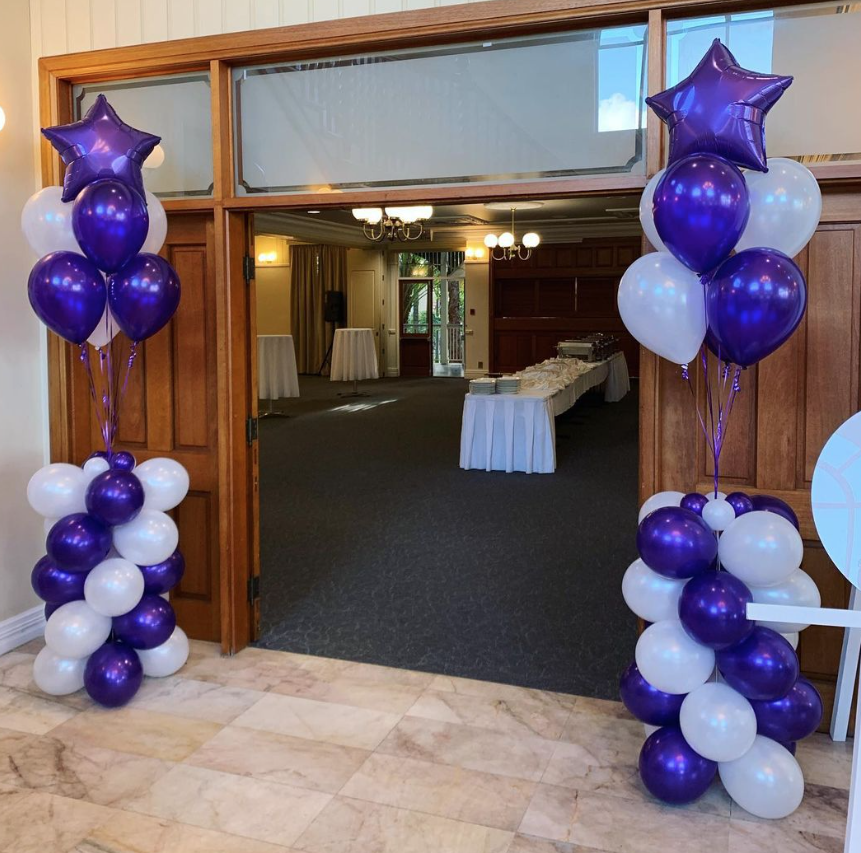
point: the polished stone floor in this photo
(271, 751)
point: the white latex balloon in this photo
(792, 638)
(718, 722)
(157, 233)
(658, 501)
(647, 216)
(93, 467)
(670, 660)
(165, 483)
(798, 589)
(58, 676)
(766, 780)
(651, 596)
(785, 206)
(57, 490)
(48, 523)
(167, 658)
(114, 587)
(105, 331)
(718, 514)
(149, 539)
(761, 548)
(47, 223)
(75, 630)
(662, 304)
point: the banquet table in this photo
(276, 367)
(517, 432)
(354, 356)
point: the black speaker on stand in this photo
(334, 312)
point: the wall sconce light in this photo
(2, 119)
(475, 253)
(267, 257)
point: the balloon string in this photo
(85, 360)
(687, 379)
(709, 397)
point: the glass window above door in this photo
(525, 109)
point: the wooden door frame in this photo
(429, 298)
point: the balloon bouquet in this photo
(718, 693)
(111, 548)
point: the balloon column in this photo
(718, 693)
(111, 547)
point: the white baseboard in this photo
(22, 628)
(393, 372)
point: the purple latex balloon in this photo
(123, 460)
(163, 577)
(671, 770)
(78, 542)
(790, 747)
(647, 703)
(713, 609)
(676, 542)
(143, 295)
(769, 503)
(720, 108)
(763, 666)
(100, 145)
(110, 222)
(793, 717)
(754, 302)
(701, 206)
(54, 585)
(98, 454)
(147, 625)
(115, 497)
(50, 609)
(68, 294)
(740, 502)
(694, 501)
(113, 674)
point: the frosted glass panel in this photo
(513, 110)
(178, 109)
(816, 120)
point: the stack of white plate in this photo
(508, 385)
(482, 386)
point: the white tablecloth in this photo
(354, 355)
(276, 367)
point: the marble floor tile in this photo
(202, 700)
(238, 805)
(531, 844)
(618, 825)
(469, 747)
(825, 762)
(603, 707)
(345, 725)
(33, 647)
(504, 692)
(27, 712)
(442, 790)
(141, 732)
(822, 812)
(248, 669)
(773, 837)
(16, 671)
(355, 826)
(295, 761)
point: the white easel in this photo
(846, 675)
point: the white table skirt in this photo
(276, 367)
(354, 355)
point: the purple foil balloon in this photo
(720, 109)
(54, 585)
(671, 770)
(123, 460)
(143, 296)
(78, 542)
(713, 609)
(113, 674)
(115, 497)
(694, 501)
(647, 703)
(754, 302)
(763, 666)
(147, 625)
(163, 577)
(676, 542)
(793, 717)
(100, 145)
(740, 502)
(769, 503)
(701, 207)
(68, 294)
(110, 222)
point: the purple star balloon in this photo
(100, 145)
(720, 109)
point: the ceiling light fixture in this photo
(393, 223)
(507, 243)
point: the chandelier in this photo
(505, 246)
(393, 223)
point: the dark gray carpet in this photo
(376, 547)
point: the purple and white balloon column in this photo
(111, 547)
(718, 693)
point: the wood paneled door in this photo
(416, 318)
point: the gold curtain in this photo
(313, 271)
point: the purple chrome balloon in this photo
(769, 503)
(720, 109)
(115, 497)
(68, 294)
(713, 609)
(163, 577)
(754, 302)
(144, 295)
(676, 542)
(694, 501)
(123, 460)
(54, 585)
(78, 542)
(740, 502)
(763, 666)
(147, 625)
(113, 674)
(701, 207)
(671, 770)
(792, 717)
(647, 703)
